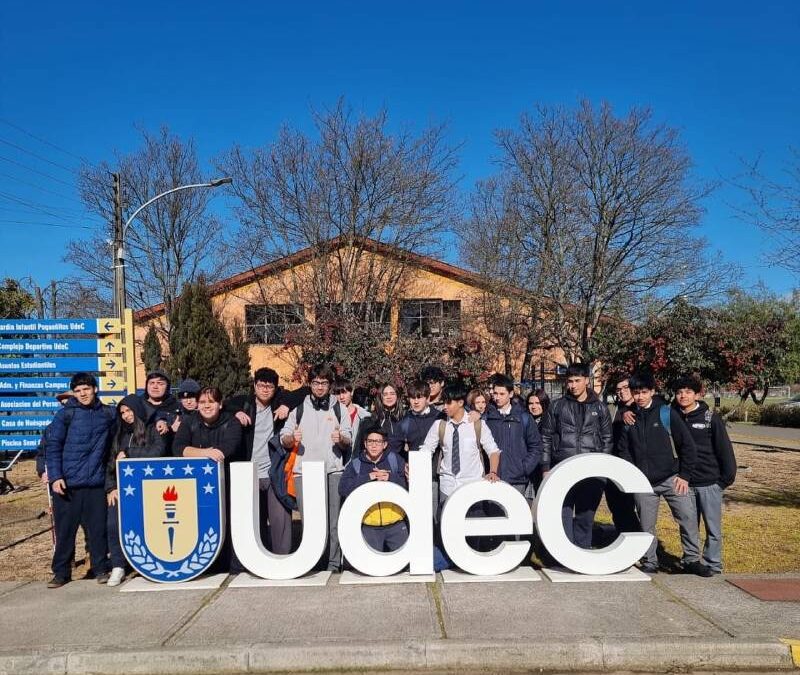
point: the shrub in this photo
(749, 412)
(781, 416)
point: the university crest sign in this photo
(171, 515)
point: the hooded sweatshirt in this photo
(224, 434)
(715, 462)
(153, 445)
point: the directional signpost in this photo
(39, 356)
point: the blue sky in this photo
(81, 75)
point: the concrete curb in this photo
(597, 655)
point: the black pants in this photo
(579, 508)
(86, 507)
(623, 509)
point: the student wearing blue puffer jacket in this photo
(516, 434)
(76, 456)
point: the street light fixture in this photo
(120, 230)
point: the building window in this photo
(376, 317)
(430, 317)
(267, 324)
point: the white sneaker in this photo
(117, 576)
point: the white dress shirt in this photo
(469, 452)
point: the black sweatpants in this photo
(80, 506)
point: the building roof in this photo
(304, 255)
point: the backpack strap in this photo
(298, 412)
(356, 462)
(666, 421)
(478, 427)
(337, 410)
(442, 427)
(393, 461)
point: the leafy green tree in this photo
(667, 345)
(151, 354)
(753, 342)
(15, 301)
(200, 346)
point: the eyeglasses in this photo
(319, 383)
(375, 441)
(264, 385)
(620, 389)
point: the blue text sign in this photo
(11, 385)
(28, 404)
(40, 364)
(36, 346)
(19, 442)
(60, 326)
(25, 423)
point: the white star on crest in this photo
(128, 471)
(208, 489)
(168, 470)
(148, 470)
(208, 469)
(129, 490)
(187, 470)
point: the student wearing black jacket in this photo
(262, 415)
(217, 435)
(135, 437)
(577, 423)
(667, 457)
(715, 465)
(622, 504)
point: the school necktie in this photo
(456, 456)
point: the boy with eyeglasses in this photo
(384, 526)
(322, 430)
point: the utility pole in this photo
(119, 261)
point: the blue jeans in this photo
(708, 499)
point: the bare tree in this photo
(774, 206)
(511, 307)
(70, 297)
(172, 241)
(602, 212)
(351, 183)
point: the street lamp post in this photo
(121, 229)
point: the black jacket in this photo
(225, 435)
(154, 445)
(618, 424)
(572, 427)
(517, 435)
(246, 403)
(715, 462)
(647, 445)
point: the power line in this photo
(37, 156)
(29, 222)
(32, 205)
(41, 173)
(79, 213)
(39, 187)
(42, 140)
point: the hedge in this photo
(781, 416)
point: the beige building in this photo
(428, 298)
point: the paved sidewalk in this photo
(779, 437)
(672, 623)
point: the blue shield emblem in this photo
(171, 515)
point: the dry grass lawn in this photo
(761, 520)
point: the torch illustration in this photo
(170, 497)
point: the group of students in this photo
(683, 449)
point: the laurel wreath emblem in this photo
(196, 562)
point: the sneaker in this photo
(102, 578)
(649, 568)
(57, 582)
(117, 576)
(698, 568)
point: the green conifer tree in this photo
(151, 355)
(200, 346)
